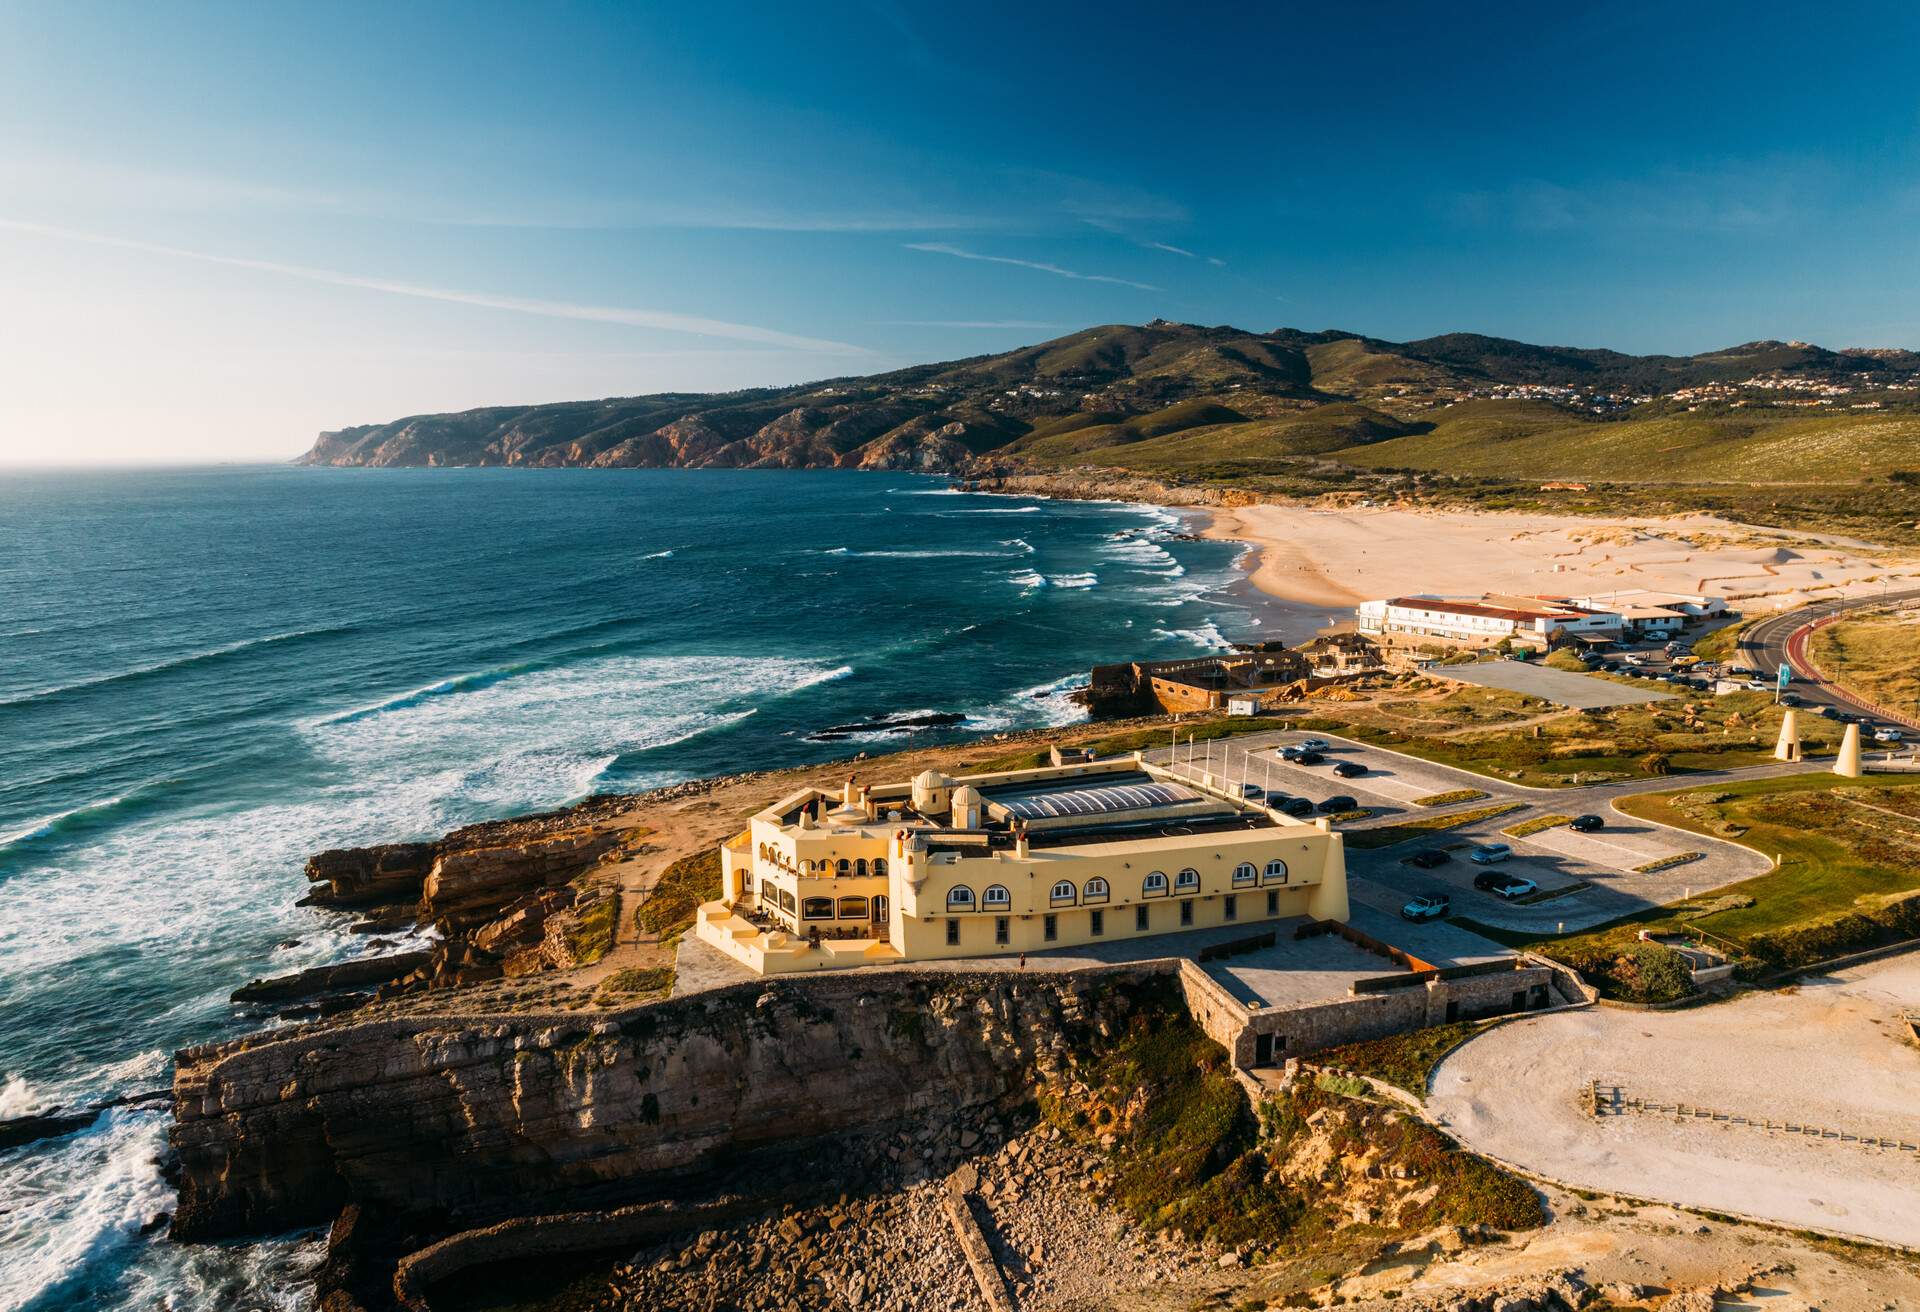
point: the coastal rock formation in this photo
(496, 1116)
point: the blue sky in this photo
(223, 228)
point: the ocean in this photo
(208, 674)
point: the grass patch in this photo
(1388, 835)
(1534, 899)
(1537, 824)
(1877, 657)
(1141, 740)
(1402, 1060)
(1675, 736)
(634, 984)
(591, 937)
(669, 910)
(1723, 644)
(1668, 862)
(1449, 799)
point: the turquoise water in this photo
(206, 675)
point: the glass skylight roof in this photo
(1097, 801)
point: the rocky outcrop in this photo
(368, 876)
(468, 886)
(497, 1116)
(327, 979)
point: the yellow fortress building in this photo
(1061, 856)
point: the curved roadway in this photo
(1769, 642)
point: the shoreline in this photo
(1320, 555)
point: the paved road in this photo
(1766, 643)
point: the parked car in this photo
(1686, 661)
(1886, 733)
(1309, 758)
(1349, 769)
(1831, 713)
(1586, 824)
(1506, 886)
(1337, 803)
(1315, 745)
(1434, 906)
(1293, 806)
(1792, 699)
(1429, 857)
(1487, 854)
(1291, 752)
(1740, 672)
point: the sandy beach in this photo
(1339, 558)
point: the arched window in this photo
(879, 865)
(853, 908)
(1244, 873)
(1154, 885)
(1187, 880)
(959, 898)
(1063, 894)
(816, 908)
(1096, 890)
(1276, 871)
(860, 866)
(996, 896)
(845, 865)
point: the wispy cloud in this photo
(633, 318)
(1171, 250)
(1041, 266)
(962, 323)
(1777, 196)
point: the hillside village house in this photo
(1012, 861)
(1485, 621)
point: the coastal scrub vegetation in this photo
(1317, 1167)
(1403, 1060)
(676, 897)
(1565, 748)
(1876, 656)
(1143, 740)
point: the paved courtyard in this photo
(1832, 1053)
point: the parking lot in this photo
(1581, 879)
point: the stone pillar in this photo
(1848, 762)
(1788, 748)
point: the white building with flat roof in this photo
(1483, 621)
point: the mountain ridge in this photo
(1219, 395)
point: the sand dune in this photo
(1341, 557)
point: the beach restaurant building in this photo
(1012, 861)
(1483, 621)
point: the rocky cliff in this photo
(476, 1119)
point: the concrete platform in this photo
(1582, 692)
